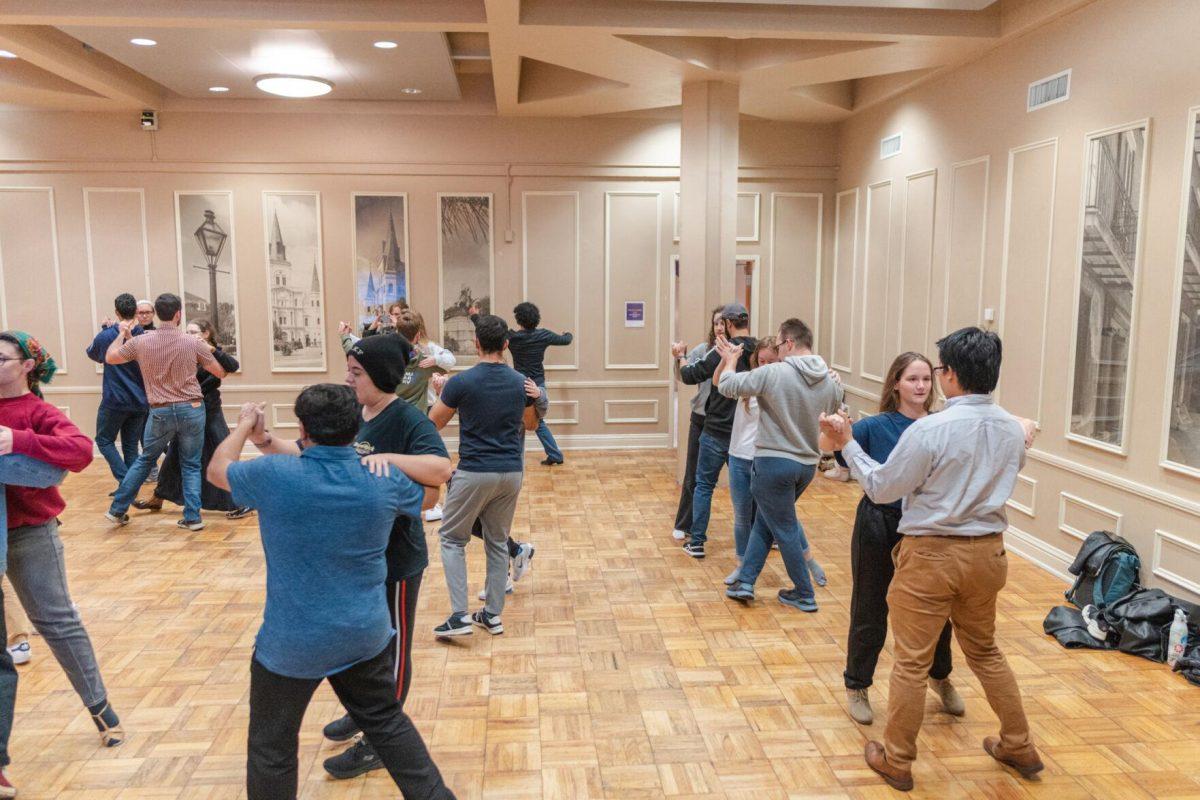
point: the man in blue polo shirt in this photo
(123, 408)
(325, 520)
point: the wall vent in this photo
(1049, 91)
(890, 146)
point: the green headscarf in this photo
(43, 364)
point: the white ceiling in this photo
(190, 60)
(946, 5)
(796, 60)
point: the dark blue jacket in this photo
(123, 388)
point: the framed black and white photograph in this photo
(466, 275)
(1106, 285)
(1181, 442)
(380, 255)
(207, 263)
(295, 283)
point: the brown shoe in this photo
(152, 505)
(899, 779)
(1028, 766)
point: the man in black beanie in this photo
(397, 434)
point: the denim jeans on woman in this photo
(743, 502)
(776, 485)
(18, 470)
(183, 423)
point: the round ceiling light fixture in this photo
(293, 85)
(218, 89)
(410, 90)
(141, 42)
(386, 45)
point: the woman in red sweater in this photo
(30, 426)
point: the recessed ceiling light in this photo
(386, 45)
(7, 54)
(293, 85)
(143, 42)
(218, 88)
(410, 90)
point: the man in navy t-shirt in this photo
(325, 522)
(494, 412)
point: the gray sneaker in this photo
(860, 706)
(952, 702)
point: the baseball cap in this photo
(734, 311)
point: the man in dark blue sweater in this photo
(123, 407)
(528, 347)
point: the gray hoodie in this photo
(791, 396)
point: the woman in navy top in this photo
(907, 396)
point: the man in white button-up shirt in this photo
(955, 470)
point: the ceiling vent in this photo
(1049, 91)
(890, 146)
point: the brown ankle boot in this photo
(1027, 765)
(897, 778)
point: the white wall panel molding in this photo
(654, 303)
(1069, 503)
(575, 327)
(842, 258)
(611, 419)
(1166, 544)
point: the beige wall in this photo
(982, 210)
(87, 210)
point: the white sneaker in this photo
(679, 535)
(522, 561)
(509, 589)
(20, 652)
(838, 473)
(434, 514)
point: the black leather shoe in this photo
(341, 730)
(546, 462)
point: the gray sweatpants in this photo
(490, 497)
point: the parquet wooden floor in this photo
(622, 673)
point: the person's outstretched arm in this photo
(21, 470)
(558, 339)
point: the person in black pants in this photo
(326, 520)
(170, 477)
(907, 396)
(683, 514)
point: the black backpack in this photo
(1107, 569)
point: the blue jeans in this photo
(130, 426)
(777, 485)
(183, 423)
(743, 502)
(712, 456)
(22, 470)
(547, 439)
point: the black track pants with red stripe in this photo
(402, 605)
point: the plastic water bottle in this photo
(1177, 641)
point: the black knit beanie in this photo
(384, 358)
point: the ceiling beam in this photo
(64, 56)
(504, 39)
(381, 15)
(648, 17)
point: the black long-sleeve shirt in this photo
(718, 410)
(528, 350)
(210, 385)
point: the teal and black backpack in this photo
(1107, 569)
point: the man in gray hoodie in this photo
(792, 394)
